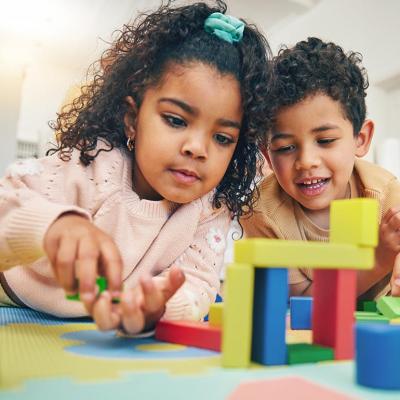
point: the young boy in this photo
(319, 131)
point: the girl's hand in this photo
(78, 250)
(140, 307)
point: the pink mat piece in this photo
(288, 388)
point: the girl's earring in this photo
(130, 143)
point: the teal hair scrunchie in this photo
(225, 27)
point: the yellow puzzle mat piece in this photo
(42, 351)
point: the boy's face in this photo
(312, 151)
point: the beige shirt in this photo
(277, 215)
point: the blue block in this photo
(378, 355)
(301, 312)
(269, 316)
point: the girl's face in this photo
(185, 133)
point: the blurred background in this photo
(47, 45)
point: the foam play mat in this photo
(42, 357)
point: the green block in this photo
(301, 353)
(366, 305)
(370, 306)
(370, 316)
(389, 306)
(101, 283)
(272, 253)
(74, 297)
(238, 316)
(354, 221)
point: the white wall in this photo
(70, 33)
(369, 27)
(10, 96)
(44, 89)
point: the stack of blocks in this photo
(252, 321)
(257, 285)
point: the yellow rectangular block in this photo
(216, 314)
(395, 321)
(273, 253)
(238, 316)
(354, 221)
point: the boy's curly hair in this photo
(138, 59)
(313, 66)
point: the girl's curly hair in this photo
(313, 66)
(139, 58)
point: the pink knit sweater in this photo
(151, 235)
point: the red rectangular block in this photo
(334, 293)
(196, 334)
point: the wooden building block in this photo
(300, 312)
(238, 316)
(189, 333)
(354, 221)
(378, 356)
(269, 316)
(370, 316)
(301, 353)
(215, 314)
(334, 294)
(267, 253)
(389, 306)
(366, 305)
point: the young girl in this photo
(153, 160)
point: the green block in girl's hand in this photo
(101, 283)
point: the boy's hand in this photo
(395, 281)
(78, 250)
(389, 230)
(141, 307)
(389, 241)
(388, 250)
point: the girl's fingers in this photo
(87, 266)
(175, 280)
(112, 265)
(133, 319)
(103, 313)
(153, 298)
(65, 264)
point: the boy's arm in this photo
(389, 239)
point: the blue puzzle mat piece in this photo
(108, 345)
(16, 315)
